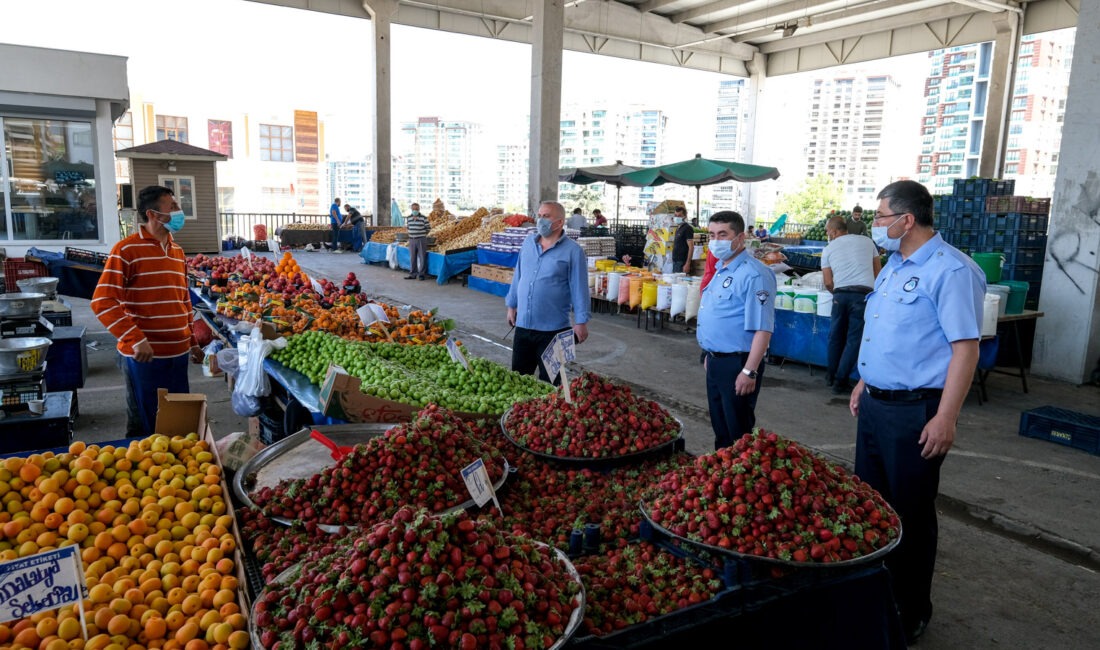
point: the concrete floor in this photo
(1020, 538)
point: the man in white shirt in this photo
(576, 220)
(849, 265)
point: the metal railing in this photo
(241, 224)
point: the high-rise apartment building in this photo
(353, 182)
(727, 141)
(510, 190)
(439, 161)
(955, 108)
(855, 132)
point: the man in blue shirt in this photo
(334, 221)
(916, 363)
(735, 324)
(550, 279)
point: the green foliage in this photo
(815, 197)
(585, 197)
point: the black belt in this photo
(853, 289)
(917, 395)
(722, 355)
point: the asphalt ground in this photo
(1019, 549)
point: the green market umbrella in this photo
(699, 171)
(611, 174)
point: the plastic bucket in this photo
(1017, 295)
(805, 300)
(1002, 291)
(784, 298)
(990, 263)
(824, 303)
(990, 310)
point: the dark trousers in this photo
(527, 348)
(845, 332)
(418, 256)
(143, 380)
(888, 458)
(335, 237)
(731, 415)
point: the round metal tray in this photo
(575, 619)
(863, 559)
(669, 446)
(310, 457)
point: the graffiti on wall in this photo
(1068, 246)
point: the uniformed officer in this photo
(735, 323)
(916, 362)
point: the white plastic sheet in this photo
(664, 296)
(678, 303)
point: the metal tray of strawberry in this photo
(604, 424)
(769, 499)
(418, 580)
(646, 591)
(415, 463)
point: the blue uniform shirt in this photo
(738, 302)
(547, 284)
(334, 218)
(918, 308)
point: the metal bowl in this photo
(21, 305)
(23, 354)
(46, 285)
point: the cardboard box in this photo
(668, 206)
(340, 397)
(179, 414)
(502, 274)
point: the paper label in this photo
(246, 254)
(477, 482)
(372, 313)
(40, 582)
(456, 353)
(318, 288)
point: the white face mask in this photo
(880, 235)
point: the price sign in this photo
(477, 482)
(372, 313)
(317, 286)
(456, 353)
(41, 582)
(562, 349)
(246, 254)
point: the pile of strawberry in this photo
(638, 582)
(770, 497)
(605, 420)
(277, 547)
(417, 463)
(418, 581)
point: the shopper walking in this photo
(550, 280)
(736, 319)
(418, 227)
(143, 300)
(856, 225)
(849, 265)
(916, 365)
(683, 243)
(334, 222)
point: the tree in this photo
(815, 197)
(585, 197)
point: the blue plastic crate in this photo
(969, 221)
(1062, 426)
(1032, 273)
(1025, 256)
(1029, 239)
(1002, 188)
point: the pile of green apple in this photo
(411, 374)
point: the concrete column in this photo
(1001, 78)
(754, 88)
(545, 138)
(1067, 338)
(381, 13)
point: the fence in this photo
(241, 224)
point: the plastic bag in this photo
(210, 367)
(391, 255)
(678, 299)
(252, 380)
(245, 406)
(664, 296)
(237, 448)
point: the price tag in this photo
(246, 254)
(456, 353)
(317, 286)
(372, 313)
(562, 349)
(477, 482)
(41, 582)
(551, 360)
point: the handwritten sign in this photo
(246, 254)
(317, 286)
(477, 482)
(562, 349)
(372, 313)
(456, 353)
(40, 582)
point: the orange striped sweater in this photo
(142, 295)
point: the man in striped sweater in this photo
(418, 228)
(143, 300)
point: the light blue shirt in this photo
(546, 285)
(918, 308)
(738, 302)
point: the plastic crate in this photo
(1025, 256)
(21, 391)
(20, 268)
(1031, 273)
(1000, 188)
(66, 359)
(1062, 426)
(1021, 204)
(84, 256)
(974, 221)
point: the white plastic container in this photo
(990, 311)
(805, 300)
(825, 303)
(784, 298)
(1002, 291)
(613, 278)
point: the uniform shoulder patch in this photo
(762, 296)
(727, 282)
(911, 284)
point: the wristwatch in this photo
(751, 374)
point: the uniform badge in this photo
(762, 296)
(911, 284)
(726, 284)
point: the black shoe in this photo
(841, 388)
(410, 277)
(829, 381)
(915, 632)
(421, 277)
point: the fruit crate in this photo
(1025, 256)
(84, 256)
(1020, 204)
(20, 268)
(1030, 273)
(1062, 426)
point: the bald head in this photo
(836, 226)
(555, 210)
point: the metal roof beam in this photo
(861, 29)
(709, 8)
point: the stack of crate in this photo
(983, 216)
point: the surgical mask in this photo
(883, 240)
(416, 213)
(722, 249)
(545, 226)
(175, 221)
(677, 220)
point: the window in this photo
(184, 189)
(276, 143)
(220, 136)
(123, 135)
(171, 128)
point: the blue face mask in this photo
(881, 236)
(175, 221)
(721, 248)
(544, 226)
